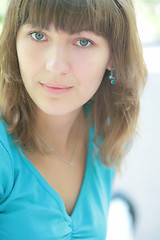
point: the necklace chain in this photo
(70, 162)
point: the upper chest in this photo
(66, 180)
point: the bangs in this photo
(71, 16)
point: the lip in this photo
(55, 89)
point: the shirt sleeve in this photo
(6, 174)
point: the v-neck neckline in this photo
(43, 182)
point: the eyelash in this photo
(36, 40)
(90, 45)
(31, 33)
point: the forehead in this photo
(69, 15)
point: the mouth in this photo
(55, 89)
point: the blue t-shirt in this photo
(30, 209)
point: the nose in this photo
(58, 62)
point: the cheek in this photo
(91, 64)
(89, 80)
(90, 71)
(29, 62)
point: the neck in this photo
(60, 131)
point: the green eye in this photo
(38, 36)
(84, 43)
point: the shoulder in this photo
(6, 166)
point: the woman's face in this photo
(60, 71)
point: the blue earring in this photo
(111, 76)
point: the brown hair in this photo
(115, 108)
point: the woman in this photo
(71, 76)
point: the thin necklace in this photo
(52, 150)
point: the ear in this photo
(109, 65)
